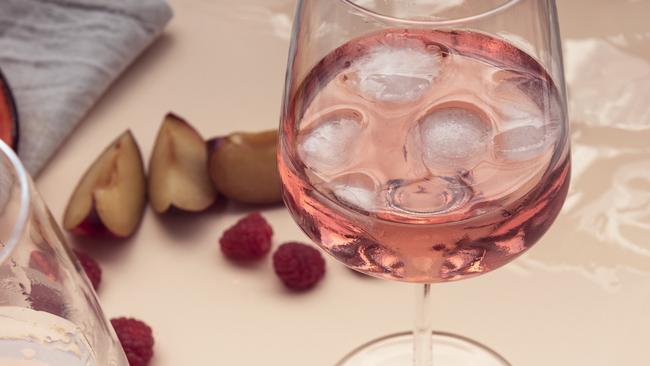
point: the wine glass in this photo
(49, 314)
(424, 141)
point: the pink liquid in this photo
(425, 156)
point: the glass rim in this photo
(444, 22)
(23, 213)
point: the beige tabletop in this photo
(580, 297)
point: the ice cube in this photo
(518, 99)
(392, 74)
(357, 190)
(328, 145)
(523, 143)
(451, 139)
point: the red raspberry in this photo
(298, 265)
(47, 299)
(249, 238)
(45, 263)
(136, 338)
(91, 267)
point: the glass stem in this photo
(422, 345)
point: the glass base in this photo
(448, 350)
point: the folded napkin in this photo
(59, 56)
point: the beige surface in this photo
(580, 297)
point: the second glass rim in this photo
(23, 213)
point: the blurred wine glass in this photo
(49, 314)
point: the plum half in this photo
(111, 196)
(243, 167)
(178, 173)
(8, 115)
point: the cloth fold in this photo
(59, 56)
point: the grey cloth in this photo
(59, 57)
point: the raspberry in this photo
(136, 338)
(91, 267)
(47, 299)
(45, 263)
(249, 238)
(298, 265)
